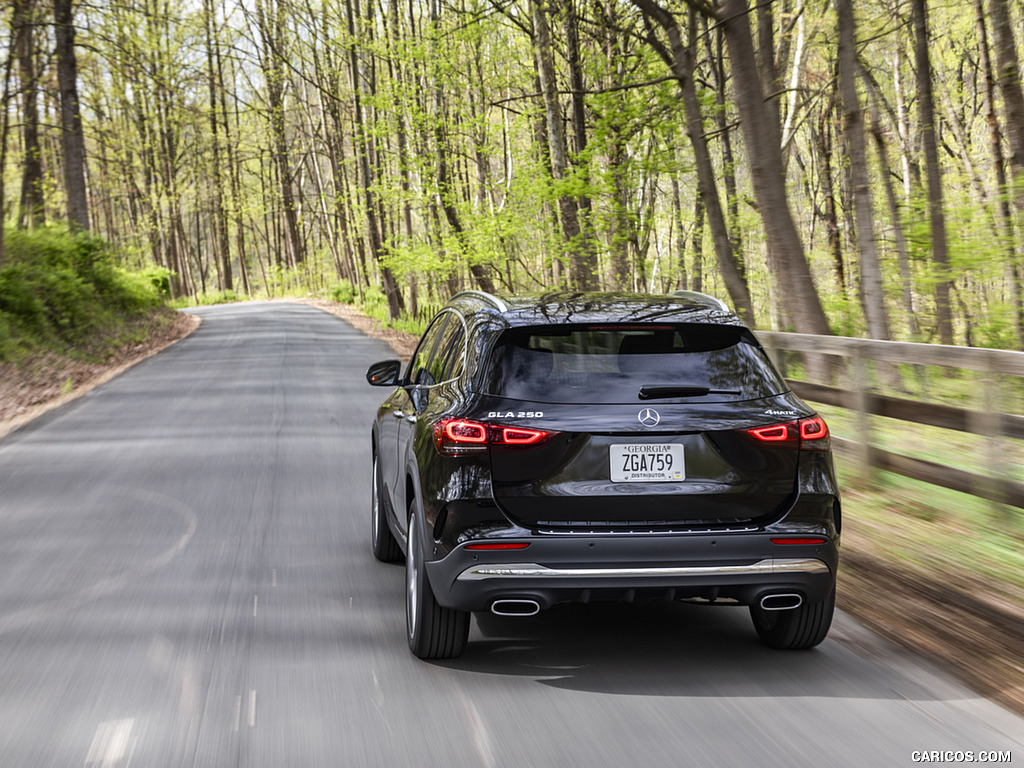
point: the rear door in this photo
(645, 427)
(396, 429)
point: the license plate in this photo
(647, 463)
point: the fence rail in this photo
(862, 399)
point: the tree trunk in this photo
(911, 170)
(72, 139)
(679, 57)
(698, 242)
(5, 124)
(897, 228)
(680, 238)
(764, 155)
(582, 275)
(405, 161)
(771, 86)
(222, 246)
(445, 186)
(1008, 69)
(998, 162)
(586, 260)
(871, 293)
(933, 172)
(272, 63)
(328, 76)
(716, 59)
(616, 224)
(368, 181)
(823, 144)
(233, 176)
(23, 30)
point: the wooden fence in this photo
(867, 360)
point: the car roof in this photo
(568, 307)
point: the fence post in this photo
(775, 352)
(861, 406)
(987, 422)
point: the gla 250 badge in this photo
(515, 414)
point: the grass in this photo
(64, 293)
(926, 527)
(963, 450)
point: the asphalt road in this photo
(186, 580)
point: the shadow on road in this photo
(674, 650)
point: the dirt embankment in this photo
(46, 380)
(957, 620)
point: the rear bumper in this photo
(738, 567)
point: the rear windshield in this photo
(629, 364)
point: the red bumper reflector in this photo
(799, 540)
(499, 545)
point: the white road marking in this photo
(110, 743)
(378, 702)
(478, 731)
(252, 709)
(238, 715)
(255, 604)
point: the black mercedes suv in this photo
(575, 447)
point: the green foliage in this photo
(8, 342)
(58, 290)
(159, 278)
(375, 305)
(209, 299)
(844, 314)
(413, 325)
(343, 293)
(461, 85)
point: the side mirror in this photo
(385, 373)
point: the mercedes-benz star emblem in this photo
(649, 417)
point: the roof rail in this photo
(703, 298)
(483, 295)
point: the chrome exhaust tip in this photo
(515, 607)
(781, 602)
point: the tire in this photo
(383, 543)
(434, 632)
(797, 628)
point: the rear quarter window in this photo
(612, 364)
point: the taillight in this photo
(518, 436)
(456, 437)
(813, 429)
(810, 434)
(462, 432)
(777, 434)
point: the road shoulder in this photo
(42, 382)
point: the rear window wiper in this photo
(656, 393)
